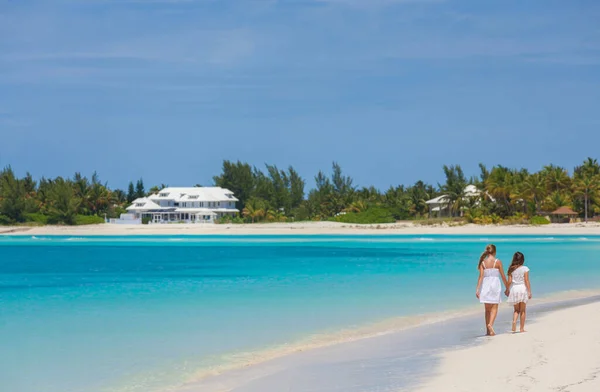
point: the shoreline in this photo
(303, 228)
(245, 366)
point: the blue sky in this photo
(391, 89)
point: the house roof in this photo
(194, 193)
(469, 191)
(564, 211)
(147, 204)
(438, 200)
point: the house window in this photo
(163, 195)
(139, 204)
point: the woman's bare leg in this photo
(493, 314)
(487, 318)
(516, 312)
(523, 315)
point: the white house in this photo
(441, 204)
(189, 205)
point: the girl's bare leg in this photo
(493, 314)
(516, 313)
(487, 318)
(523, 315)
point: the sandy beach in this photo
(448, 355)
(558, 353)
(306, 228)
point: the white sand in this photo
(303, 228)
(560, 352)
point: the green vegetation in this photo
(88, 220)
(369, 215)
(504, 196)
(539, 220)
(75, 201)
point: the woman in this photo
(489, 288)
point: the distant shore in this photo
(305, 228)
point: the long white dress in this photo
(491, 287)
(518, 290)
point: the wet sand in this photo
(448, 355)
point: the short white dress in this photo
(491, 287)
(518, 290)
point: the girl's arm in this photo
(528, 284)
(507, 291)
(479, 280)
(504, 280)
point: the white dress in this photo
(491, 287)
(518, 290)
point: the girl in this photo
(520, 289)
(489, 288)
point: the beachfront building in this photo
(186, 205)
(440, 205)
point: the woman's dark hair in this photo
(517, 261)
(489, 250)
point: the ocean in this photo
(148, 313)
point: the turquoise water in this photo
(145, 313)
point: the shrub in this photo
(517, 219)
(5, 220)
(146, 220)
(224, 219)
(368, 216)
(539, 220)
(88, 220)
(37, 218)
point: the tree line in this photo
(274, 194)
(502, 194)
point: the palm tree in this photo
(533, 190)
(64, 202)
(590, 166)
(254, 209)
(454, 188)
(269, 214)
(557, 199)
(556, 177)
(356, 206)
(419, 194)
(500, 185)
(586, 186)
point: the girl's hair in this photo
(517, 261)
(489, 250)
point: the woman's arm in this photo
(504, 280)
(528, 284)
(479, 280)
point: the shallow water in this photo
(146, 313)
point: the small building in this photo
(441, 204)
(185, 205)
(563, 215)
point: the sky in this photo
(391, 89)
